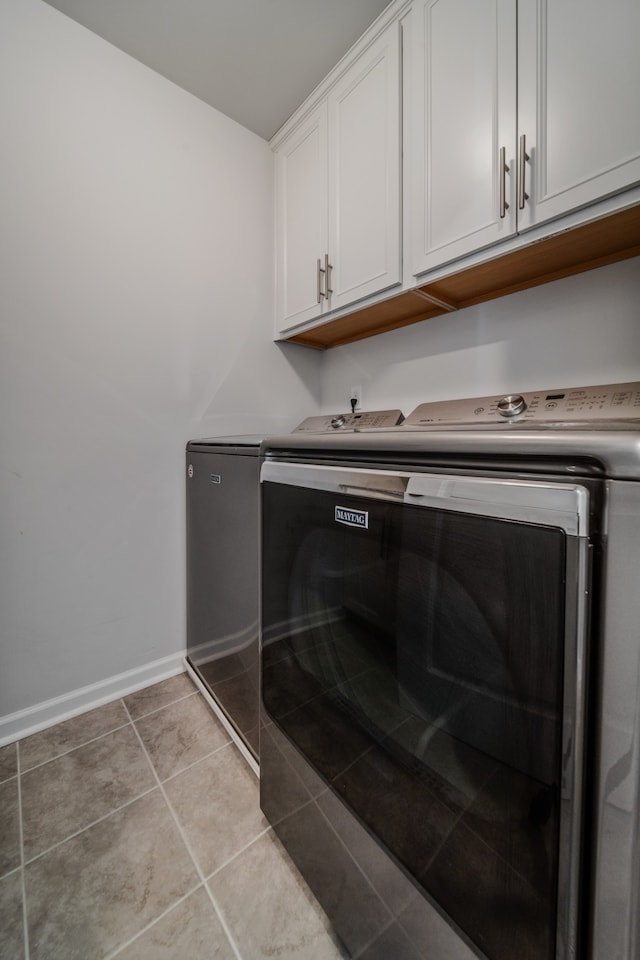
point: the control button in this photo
(511, 405)
(338, 422)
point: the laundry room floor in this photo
(134, 831)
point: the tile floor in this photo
(134, 831)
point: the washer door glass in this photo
(417, 664)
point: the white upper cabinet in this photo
(517, 122)
(511, 122)
(338, 191)
(364, 174)
(464, 129)
(578, 102)
(302, 237)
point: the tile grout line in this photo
(84, 743)
(129, 719)
(171, 703)
(152, 923)
(226, 863)
(158, 785)
(199, 872)
(72, 836)
(25, 919)
(122, 806)
(194, 763)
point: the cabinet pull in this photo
(504, 170)
(328, 267)
(524, 156)
(319, 272)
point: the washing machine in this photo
(222, 530)
(223, 564)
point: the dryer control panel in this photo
(620, 401)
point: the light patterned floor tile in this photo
(269, 909)
(191, 931)
(67, 794)
(108, 875)
(158, 695)
(11, 917)
(9, 827)
(180, 734)
(218, 804)
(66, 736)
(8, 761)
(92, 894)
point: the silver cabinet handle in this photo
(504, 170)
(320, 271)
(524, 156)
(327, 276)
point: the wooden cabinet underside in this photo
(596, 244)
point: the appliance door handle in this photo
(565, 506)
(373, 484)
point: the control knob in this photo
(511, 405)
(338, 422)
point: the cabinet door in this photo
(464, 108)
(364, 174)
(579, 83)
(301, 219)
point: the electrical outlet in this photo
(356, 394)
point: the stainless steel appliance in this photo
(451, 676)
(222, 581)
(223, 556)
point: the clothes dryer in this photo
(451, 676)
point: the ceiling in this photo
(254, 60)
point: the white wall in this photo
(136, 312)
(580, 330)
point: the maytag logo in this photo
(354, 518)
